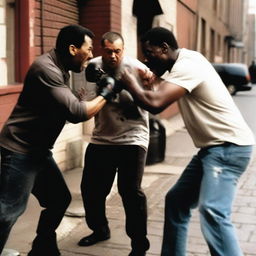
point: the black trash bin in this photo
(157, 142)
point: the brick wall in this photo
(8, 98)
(51, 15)
(100, 17)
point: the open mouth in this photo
(85, 64)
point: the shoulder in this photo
(190, 62)
(133, 62)
(191, 56)
(187, 71)
(45, 68)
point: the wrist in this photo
(107, 94)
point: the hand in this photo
(106, 88)
(128, 76)
(131, 77)
(147, 77)
(93, 73)
(143, 77)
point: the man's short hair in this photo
(111, 37)
(159, 35)
(71, 34)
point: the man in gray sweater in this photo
(27, 166)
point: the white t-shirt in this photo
(121, 121)
(209, 112)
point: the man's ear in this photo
(72, 50)
(165, 47)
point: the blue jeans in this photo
(38, 174)
(209, 182)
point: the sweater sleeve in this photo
(61, 96)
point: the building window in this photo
(219, 45)
(203, 37)
(10, 39)
(212, 45)
(8, 61)
(3, 74)
(215, 5)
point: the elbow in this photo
(155, 109)
(75, 119)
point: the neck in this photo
(175, 54)
(63, 61)
(173, 57)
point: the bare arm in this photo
(155, 101)
(94, 106)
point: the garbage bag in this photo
(157, 142)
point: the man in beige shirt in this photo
(217, 129)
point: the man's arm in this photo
(156, 100)
(94, 106)
(75, 110)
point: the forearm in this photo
(94, 106)
(160, 97)
(148, 100)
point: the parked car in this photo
(252, 71)
(235, 76)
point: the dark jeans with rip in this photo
(38, 174)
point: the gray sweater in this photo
(45, 104)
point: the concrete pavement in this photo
(158, 178)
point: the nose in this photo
(112, 55)
(90, 56)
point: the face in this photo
(81, 55)
(155, 58)
(112, 54)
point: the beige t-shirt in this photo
(209, 112)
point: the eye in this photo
(148, 53)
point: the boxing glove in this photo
(93, 73)
(106, 88)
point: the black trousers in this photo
(102, 162)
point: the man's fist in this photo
(106, 87)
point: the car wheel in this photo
(232, 89)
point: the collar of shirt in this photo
(58, 62)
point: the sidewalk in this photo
(158, 178)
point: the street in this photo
(246, 101)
